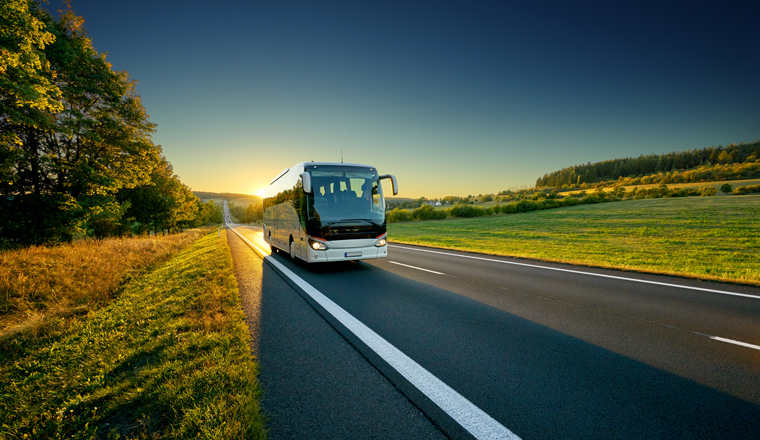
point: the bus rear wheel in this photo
(292, 250)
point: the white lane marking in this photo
(418, 268)
(464, 412)
(581, 272)
(731, 341)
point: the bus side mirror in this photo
(306, 180)
(394, 183)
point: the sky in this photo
(452, 97)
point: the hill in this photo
(732, 162)
(232, 198)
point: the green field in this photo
(715, 238)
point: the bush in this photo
(569, 201)
(427, 212)
(508, 209)
(678, 192)
(466, 211)
(526, 205)
(708, 191)
(726, 188)
(398, 215)
(590, 200)
(741, 190)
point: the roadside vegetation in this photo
(166, 355)
(41, 285)
(732, 162)
(716, 238)
(76, 151)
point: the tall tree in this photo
(70, 161)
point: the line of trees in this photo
(76, 149)
(651, 164)
(250, 214)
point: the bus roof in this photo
(338, 164)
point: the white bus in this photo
(325, 211)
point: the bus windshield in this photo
(345, 194)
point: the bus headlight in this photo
(317, 245)
(382, 240)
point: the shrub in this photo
(526, 205)
(726, 188)
(590, 200)
(741, 190)
(508, 209)
(708, 191)
(398, 215)
(678, 192)
(569, 201)
(427, 212)
(466, 211)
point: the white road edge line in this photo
(731, 341)
(418, 268)
(581, 272)
(464, 412)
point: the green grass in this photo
(715, 238)
(169, 357)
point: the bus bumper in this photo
(348, 254)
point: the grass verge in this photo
(716, 238)
(41, 284)
(168, 358)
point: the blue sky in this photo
(453, 97)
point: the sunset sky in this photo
(453, 97)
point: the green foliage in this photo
(570, 201)
(726, 188)
(708, 191)
(427, 212)
(216, 214)
(462, 210)
(75, 135)
(747, 189)
(398, 215)
(252, 213)
(714, 163)
(27, 83)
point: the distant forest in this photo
(225, 196)
(650, 164)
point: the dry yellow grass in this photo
(40, 281)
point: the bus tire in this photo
(292, 248)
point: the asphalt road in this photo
(555, 353)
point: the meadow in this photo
(715, 238)
(164, 355)
(39, 283)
